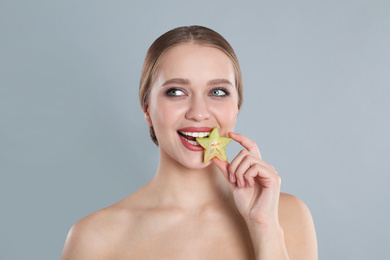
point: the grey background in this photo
(73, 138)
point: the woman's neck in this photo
(191, 189)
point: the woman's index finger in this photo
(247, 143)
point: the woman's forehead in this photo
(193, 61)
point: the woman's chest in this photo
(191, 239)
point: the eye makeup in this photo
(174, 92)
(219, 92)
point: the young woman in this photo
(191, 83)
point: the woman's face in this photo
(193, 92)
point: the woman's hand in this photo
(256, 190)
(255, 184)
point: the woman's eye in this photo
(174, 92)
(219, 92)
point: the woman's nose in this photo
(198, 109)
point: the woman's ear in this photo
(147, 116)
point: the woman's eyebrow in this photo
(177, 81)
(182, 81)
(219, 82)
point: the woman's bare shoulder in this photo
(297, 223)
(94, 236)
(289, 204)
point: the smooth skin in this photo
(191, 210)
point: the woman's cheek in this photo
(226, 116)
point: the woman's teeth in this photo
(191, 142)
(193, 135)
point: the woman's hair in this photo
(193, 34)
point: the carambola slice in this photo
(214, 146)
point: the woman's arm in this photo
(288, 234)
(294, 237)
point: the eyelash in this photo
(169, 92)
(226, 92)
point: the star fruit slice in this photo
(214, 146)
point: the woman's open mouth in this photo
(191, 136)
(188, 137)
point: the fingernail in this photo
(231, 177)
(238, 183)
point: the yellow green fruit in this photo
(214, 146)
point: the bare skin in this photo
(192, 210)
(150, 225)
(140, 227)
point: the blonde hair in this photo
(194, 34)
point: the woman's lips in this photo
(196, 129)
(188, 136)
(189, 146)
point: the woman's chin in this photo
(196, 164)
(189, 160)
